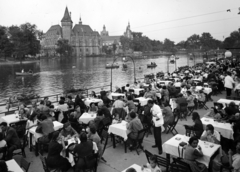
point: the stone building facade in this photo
(82, 38)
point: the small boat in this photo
(124, 65)
(172, 61)
(24, 73)
(151, 65)
(115, 65)
(125, 59)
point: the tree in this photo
(6, 47)
(169, 46)
(126, 43)
(193, 42)
(233, 41)
(63, 47)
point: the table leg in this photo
(113, 139)
(125, 146)
(30, 141)
(168, 160)
(36, 148)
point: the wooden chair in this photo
(139, 140)
(188, 131)
(178, 168)
(163, 162)
(171, 127)
(24, 143)
(10, 112)
(148, 155)
(88, 166)
(45, 167)
(24, 164)
(179, 162)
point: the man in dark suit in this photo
(12, 139)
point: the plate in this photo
(178, 138)
(206, 120)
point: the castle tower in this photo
(66, 25)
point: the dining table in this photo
(225, 129)
(119, 129)
(86, 117)
(142, 100)
(138, 168)
(13, 166)
(171, 147)
(9, 119)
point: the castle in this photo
(82, 38)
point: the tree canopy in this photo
(64, 48)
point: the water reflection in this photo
(56, 75)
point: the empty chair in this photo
(171, 127)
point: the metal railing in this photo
(54, 98)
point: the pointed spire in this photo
(104, 28)
(80, 20)
(66, 17)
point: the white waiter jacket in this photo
(158, 121)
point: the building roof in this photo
(55, 29)
(66, 17)
(111, 38)
(82, 29)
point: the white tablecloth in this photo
(13, 166)
(138, 168)
(224, 128)
(137, 90)
(86, 117)
(11, 118)
(226, 101)
(112, 95)
(173, 104)
(57, 125)
(143, 101)
(119, 129)
(207, 90)
(88, 101)
(171, 147)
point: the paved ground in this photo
(116, 159)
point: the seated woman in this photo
(193, 152)
(93, 108)
(198, 126)
(54, 159)
(116, 119)
(85, 148)
(75, 115)
(153, 166)
(93, 135)
(68, 132)
(32, 122)
(217, 113)
(134, 126)
(202, 96)
(190, 99)
(234, 160)
(231, 110)
(211, 135)
(23, 113)
(93, 94)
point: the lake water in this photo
(56, 75)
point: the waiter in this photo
(157, 124)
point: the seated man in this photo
(180, 100)
(211, 135)
(11, 138)
(134, 126)
(45, 127)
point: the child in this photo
(153, 165)
(116, 119)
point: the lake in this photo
(56, 75)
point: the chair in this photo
(104, 140)
(45, 167)
(183, 110)
(188, 131)
(178, 168)
(10, 112)
(148, 155)
(88, 166)
(163, 162)
(171, 127)
(203, 104)
(20, 127)
(139, 140)
(24, 164)
(3, 150)
(24, 143)
(183, 164)
(225, 166)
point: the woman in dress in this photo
(190, 99)
(93, 108)
(54, 159)
(68, 132)
(193, 152)
(32, 122)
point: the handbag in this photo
(180, 149)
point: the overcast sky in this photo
(157, 19)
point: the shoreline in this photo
(18, 62)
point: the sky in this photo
(157, 19)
